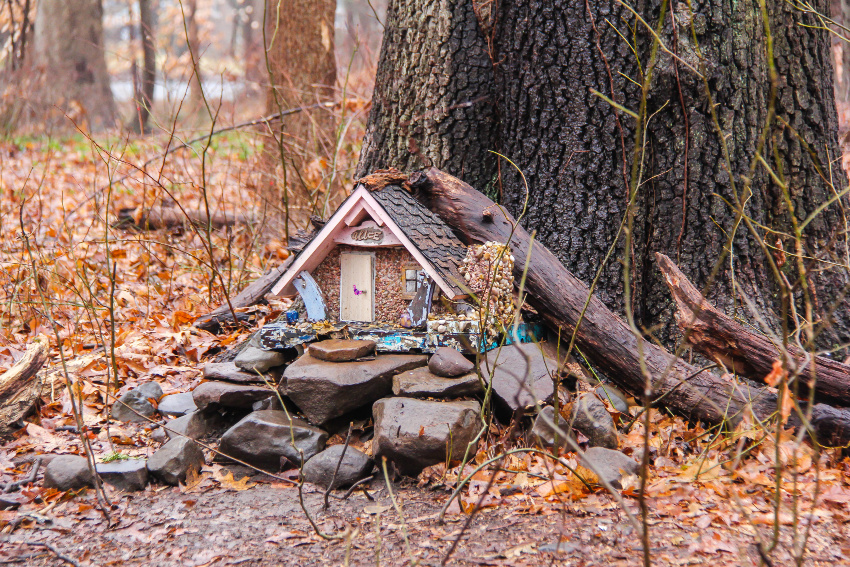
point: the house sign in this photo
(368, 234)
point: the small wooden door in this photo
(357, 287)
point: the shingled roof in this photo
(427, 231)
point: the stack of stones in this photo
(425, 411)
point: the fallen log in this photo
(720, 338)
(154, 218)
(603, 337)
(251, 295)
(20, 386)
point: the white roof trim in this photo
(323, 242)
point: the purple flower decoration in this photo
(358, 291)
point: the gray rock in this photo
(612, 395)
(255, 359)
(421, 383)
(159, 435)
(222, 394)
(229, 372)
(545, 434)
(521, 376)
(195, 425)
(340, 350)
(122, 409)
(448, 363)
(150, 390)
(325, 390)
(320, 469)
(414, 434)
(591, 418)
(262, 438)
(609, 465)
(177, 404)
(171, 462)
(68, 472)
(270, 403)
(129, 475)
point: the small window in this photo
(410, 276)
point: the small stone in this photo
(195, 425)
(229, 372)
(545, 433)
(171, 462)
(442, 329)
(122, 409)
(222, 394)
(339, 350)
(320, 469)
(150, 390)
(159, 435)
(609, 465)
(270, 403)
(521, 376)
(325, 390)
(177, 404)
(262, 438)
(420, 383)
(68, 472)
(448, 363)
(591, 418)
(612, 395)
(129, 475)
(254, 359)
(415, 434)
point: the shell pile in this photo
(489, 273)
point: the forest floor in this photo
(711, 498)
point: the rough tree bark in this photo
(144, 96)
(575, 150)
(433, 97)
(550, 60)
(68, 51)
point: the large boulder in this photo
(133, 406)
(171, 462)
(176, 405)
(151, 390)
(222, 394)
(325, 390)
(609, 465)
(421, 383)
(415, 434)
(263, 438)
(521, 376)
(340, 350)
(196, 425)
(544, 432)
(448, 363)
(128, 475)
(68, 472)
(355, 466)
(229, 372)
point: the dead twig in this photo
(338, 464)
(50, 547)
(33, 474)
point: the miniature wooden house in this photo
(383, 267)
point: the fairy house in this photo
(382, 267)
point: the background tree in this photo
(68, 51)
(145, 87)
(299, 39)
(576, 150)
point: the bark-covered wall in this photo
(433, 98)
(390, 297)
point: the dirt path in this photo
(265, 525)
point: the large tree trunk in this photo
(302, 65)
(433, 98)
(576, 151)
(68, 51)
(567, 143)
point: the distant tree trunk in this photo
(144, 97)
(841, 50)
(196, 89)
(68, 50)
(299, 39)
(433, 102)
(576, 151)
(252, 47)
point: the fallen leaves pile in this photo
(121, 302)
